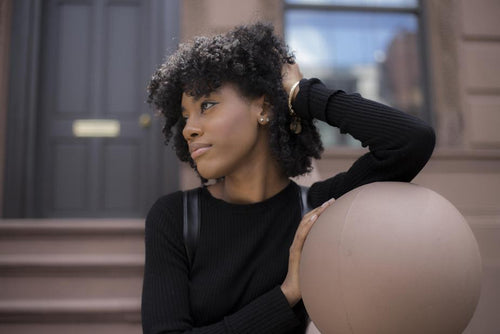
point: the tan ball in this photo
(390, 257)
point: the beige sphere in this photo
(391, 257)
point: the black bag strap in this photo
(191, 222)
(192, 218)
(304, 205)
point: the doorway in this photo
(93, 148)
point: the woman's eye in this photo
(207, 105)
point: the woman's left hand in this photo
(291, 285)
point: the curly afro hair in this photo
(251, 58)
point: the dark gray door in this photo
(96, 136)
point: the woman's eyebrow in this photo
(212, 94)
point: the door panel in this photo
(122, 59)
(71, 33)
(120, 195)
(68, 177)
(94, 65)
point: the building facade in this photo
(55, 185)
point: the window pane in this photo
(374, 54)
(374, 3)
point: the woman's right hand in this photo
(291, 284)
(291, 74)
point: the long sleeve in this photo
(166, 286)
(399, 144)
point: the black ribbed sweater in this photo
(242, 254)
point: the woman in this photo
(226, 104)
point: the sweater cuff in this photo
(312, 99)
(269, 313)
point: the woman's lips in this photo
(198, 149)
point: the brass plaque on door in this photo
(96, 128)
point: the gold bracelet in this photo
(290, 96)
(295, 125)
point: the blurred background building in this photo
(82, 156)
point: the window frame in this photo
(419, 11)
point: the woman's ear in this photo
(263, 110)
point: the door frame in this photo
(23, 96)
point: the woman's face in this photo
(222, 131)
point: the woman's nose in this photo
(191, 130)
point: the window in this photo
(371, 47)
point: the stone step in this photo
(36, 236)
(71, 327)
(117, 310)
(71, 276)
(63, 276)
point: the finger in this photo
(329, 202)
(308, 220)
(302, 232)
(319, 209)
